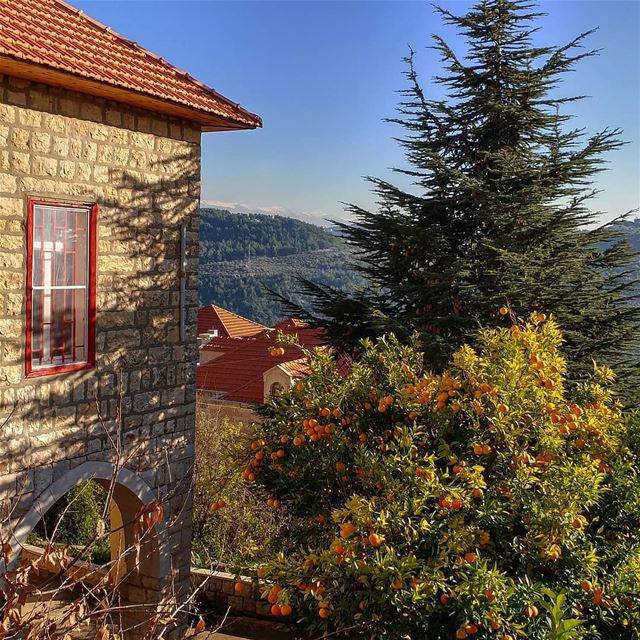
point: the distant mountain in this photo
(242, 255)
(314, 217)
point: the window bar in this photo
(73, 291)
(182, 274)
(63, 315)
(41, 267)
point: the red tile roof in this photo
(226, 323)
(51, 41)
(237, 374)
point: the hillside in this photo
(228, 236)
(243, 255)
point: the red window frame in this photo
(91, 291)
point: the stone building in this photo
(99, 197)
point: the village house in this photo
(99, 198)
(242, 362)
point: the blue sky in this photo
(324, 74)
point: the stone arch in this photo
(130, 492)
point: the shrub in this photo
(485, 502)
(74, 519)
(232, 524)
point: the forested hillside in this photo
(235, 236)
(243, 255)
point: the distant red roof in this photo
(52, 42)
(226, 323)
(237, 375)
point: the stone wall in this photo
(214, 587)
(143, 171)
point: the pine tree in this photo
(500, 214)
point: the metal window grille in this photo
(59, 285)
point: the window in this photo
(276, 388)
(61, 246)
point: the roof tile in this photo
(56, 35)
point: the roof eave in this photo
(207, 121)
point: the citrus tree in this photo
(484, 502)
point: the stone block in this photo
(7, 113)
(29, 118)
(40, 142)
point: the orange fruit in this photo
(445, 599)
(490, 595)
(503, 311)
(471, 629)
(477, 493)
(340, 467)
(397, 584)
(285, 610)
(461, 634)
(531, 611)
(323, 612)
(375, 540)
(362, 605)
(276, 610)
(261, 572)
(470, 557)
(347, 529)
(238, 587)
(585, 585)
(577, 523)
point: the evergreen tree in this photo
(500, 215)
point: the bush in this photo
(232, 524)
(486, 502)
(74, 519)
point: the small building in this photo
(99, 199)
(244, 368)
(239, 367)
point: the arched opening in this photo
(275, 388)
(75, 519)
(133, 570)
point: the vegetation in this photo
(232, 525)
(74, 520)
(228, 236)
(488, 501)
(500, 212)
(243, 257)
